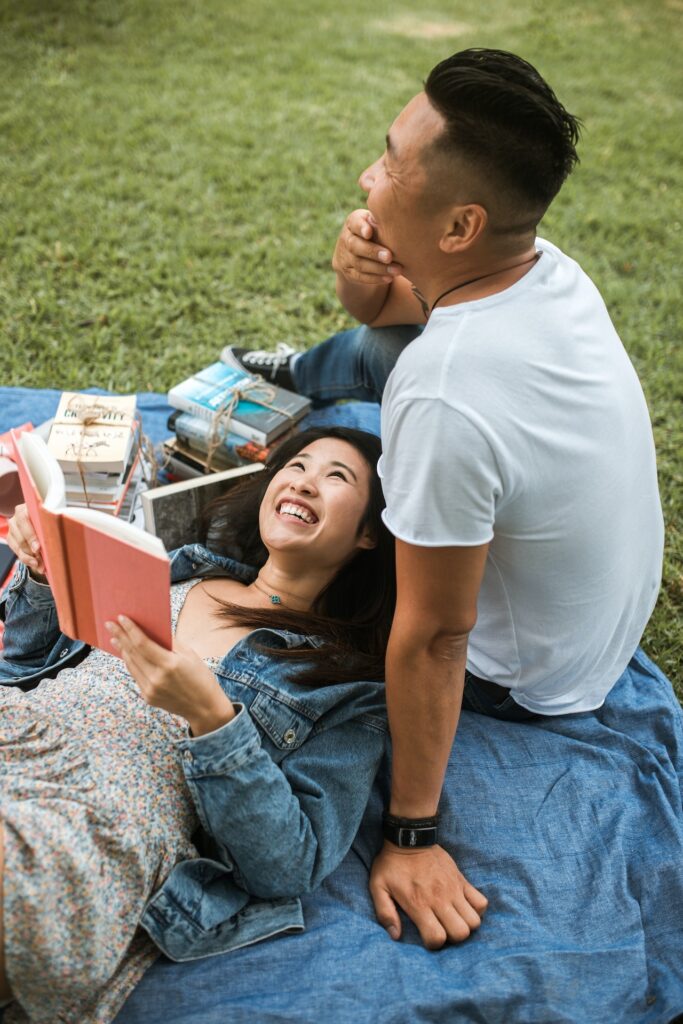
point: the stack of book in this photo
(92, 438)
(259, 420)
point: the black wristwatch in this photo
(410, 833)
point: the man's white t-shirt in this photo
(519, 420)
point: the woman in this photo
(196, 792)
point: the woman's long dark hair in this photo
(353, 614)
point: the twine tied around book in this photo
(255, 390)
(89, 411)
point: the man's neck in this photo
(466, 281)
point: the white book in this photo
(93, 431)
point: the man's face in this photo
(398, 187)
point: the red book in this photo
(98, 567)
(10, 491)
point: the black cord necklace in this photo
(474, 280)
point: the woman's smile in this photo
(298, 510)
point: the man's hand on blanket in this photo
(432, 891)
(177, 681)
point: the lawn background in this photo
(173, 177)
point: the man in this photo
(518, 468)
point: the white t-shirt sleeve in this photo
(439, 475)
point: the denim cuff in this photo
(223, 750)
(38, 595)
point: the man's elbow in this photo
(449, 644)
(439, 643)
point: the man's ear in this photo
(465, 225)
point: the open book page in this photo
(42, 491)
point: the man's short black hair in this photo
(507, 123)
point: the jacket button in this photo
(63, 654)
(188, 755)
(194, 565)
(289, 736)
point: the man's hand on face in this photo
(358, 258)
(432, 891)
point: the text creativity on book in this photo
(93, 439)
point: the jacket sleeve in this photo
(284, 827)
(33, 644)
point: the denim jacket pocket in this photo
(283, 725)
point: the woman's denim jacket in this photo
(279, 790)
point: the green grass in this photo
(173, 177)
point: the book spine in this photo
(195, 433)
(248, 433)
(81, 588)
(186, 404)
(58, 571)
(127, 483)
(176, 466)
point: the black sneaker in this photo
(272, 366)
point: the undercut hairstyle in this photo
(507, 124)
(353, 614)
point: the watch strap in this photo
(411, 833)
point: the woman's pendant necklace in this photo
(273, 598)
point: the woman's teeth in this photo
(288, 508)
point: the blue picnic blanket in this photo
(573, 828)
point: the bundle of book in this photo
(226, 418)
(93, 439)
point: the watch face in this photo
(409, 837)
(404, 836)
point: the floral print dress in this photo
(96, 813)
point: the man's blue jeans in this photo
(351, 364)
(485, 698)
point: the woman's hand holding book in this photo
(177, 681)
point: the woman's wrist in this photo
(207, 720)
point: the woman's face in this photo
(315, 503)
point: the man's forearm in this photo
(424, 696)
(363, 301)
